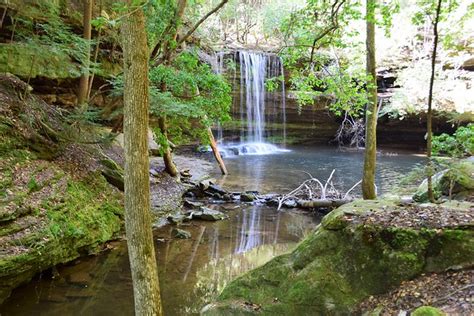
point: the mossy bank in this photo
(361, 249)
(55, 205)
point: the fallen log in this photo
(323, 203)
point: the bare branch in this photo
(204, 18)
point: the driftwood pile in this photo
(312, 193)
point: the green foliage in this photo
(460, 144)
(194, 97)
(325, 25)
(51, 32)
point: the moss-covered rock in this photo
(31, 61)
(458, 179)
(346, 259)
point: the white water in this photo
(231, 150)
(255, 68)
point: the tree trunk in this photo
(84, 81)
(368, 180)
(429, 130)
(137, 184)
(170, 167)
(216, 152)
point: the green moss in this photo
(427, 311)
(344, 261)
(25, 60)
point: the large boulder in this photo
(361, 249)
(457, 180)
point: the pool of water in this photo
(192, 271)
(284, 171)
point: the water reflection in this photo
(285, 171)
(192, 271)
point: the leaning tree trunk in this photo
(137, 185)
(429, 129)
(368, 180)
(87, 31)
(170, 167)
(216, 152)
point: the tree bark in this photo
(216, 152)
(137, 184)
(170, 167)
(429, 129)
(368, 180)
(87, 31)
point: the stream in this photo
(193, 271)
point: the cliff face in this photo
(41, 43)
(315, 124)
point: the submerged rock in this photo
(181, 233)
(349, 257)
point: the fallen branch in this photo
(323, 203)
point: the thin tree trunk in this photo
(84, 81)
(368, 180)
(216, 152)
(429, 129)
(137, 184)
(170, 167)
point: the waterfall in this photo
(255, 110)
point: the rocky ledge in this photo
(361, 249)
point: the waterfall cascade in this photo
(258, 114)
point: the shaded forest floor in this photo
(452, 292)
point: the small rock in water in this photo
(290, 203)
(207, 214)
(177, 218)
(181, 233)
(204, 184)
(247, 197)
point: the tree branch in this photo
(204, 18)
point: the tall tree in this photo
(87, 31)
(368, 180)
(429, 129)
(137, 183)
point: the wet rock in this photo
(177, 218)
(192, 204)
(207, 214)
(291, 203)
(204, 184)
(214, 188)
(190, 194)
(181, 233)
(247, 197)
